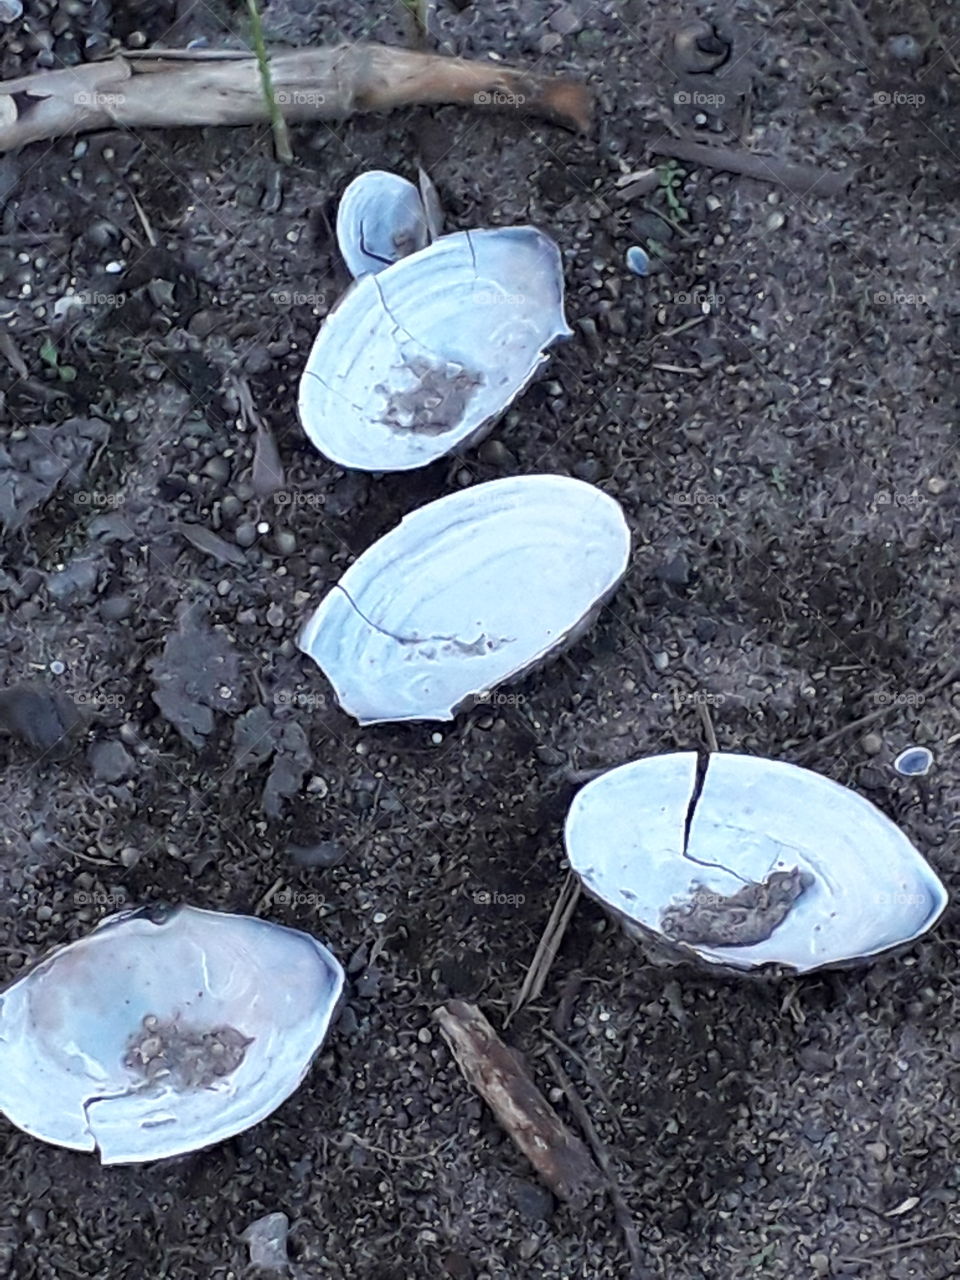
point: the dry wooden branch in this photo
(801, 179)
(168, 90)
(503, 1080)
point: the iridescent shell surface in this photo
(470, 591)
(749, 862)
(423, 357)
(162, 1032)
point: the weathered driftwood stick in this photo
(802, 179)
(309, 84)
(502, 1079)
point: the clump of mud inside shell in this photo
(186, 1058)
(436, 402)
(711, 919)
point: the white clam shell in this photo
(423, 357)
(465, 593)
(870, 889)
(66, 1029)
(380, 219)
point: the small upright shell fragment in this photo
(163, 1032)
(469, 591)
(381, 219)
(915, 762)
(423, 357)
(749, 862)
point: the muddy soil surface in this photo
(775, 408)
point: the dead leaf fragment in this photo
(196, 675)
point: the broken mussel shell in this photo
(162, 1032)
(381, 218)
(423, 357)
(466, 593)
(744, 862)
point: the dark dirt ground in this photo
(790, 478)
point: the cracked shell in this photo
(781, 867)
(424, 356)
(163, 1031)
(466, 593)
(381, 219)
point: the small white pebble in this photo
(436, 738)
(57, 667)
(263, 527)
(113, 268)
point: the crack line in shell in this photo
(470, 648)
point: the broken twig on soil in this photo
(161, 88)
(926, 691)
(620, 1207)
(548, 946)
(802, 179)
(501, 1077)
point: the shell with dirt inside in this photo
(163, 1032)
(466, 593)
(380, 219)
(423, 357)
(745, 862)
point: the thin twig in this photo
(675, 368)
(28, 239)
(802, 179)
(268, 896)
(681, 328)
(878, 714)
(144, 220)
(592, 1078)
(548, 946)
(903, 1244)
(601, 1155)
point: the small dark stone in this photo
(648, 226)
(325, 853)
(675, 572)
(589, 469)
(257, 360)
(705, 629)
(367, 986)
(496, 454)
(115, 608)
(565, 21)
(347, 1024)
(75, 582)
(534, 1201)
(110, 761)
(45, 720)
